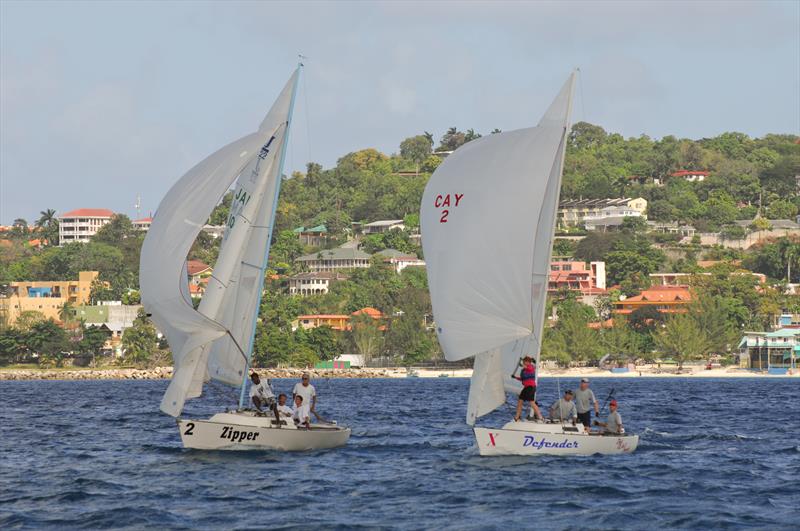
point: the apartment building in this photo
(81, 224)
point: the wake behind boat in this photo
(488, 218)
(215, 341)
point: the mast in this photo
(263, 268)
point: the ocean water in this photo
(98, 454)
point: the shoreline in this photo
(164, 373)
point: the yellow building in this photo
(46, 297)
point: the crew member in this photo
(584, 401)
(308, 392)
(283, 409)
(300, 412)
(613, 424)
(528, 378)
(262, 396)
(564, 408)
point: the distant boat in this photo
(215, 341)
(488, 219)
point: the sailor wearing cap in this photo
(564, 408)
(613, 424)
(584, 400)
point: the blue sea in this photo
(99, 454)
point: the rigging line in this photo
(308, 119)
(583, 98)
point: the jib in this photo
(236, 435)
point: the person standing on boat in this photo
(584, 400)
(564, 408)
(528, 378)
(308, 392)
(300, 412)
(613, 424)
(262, 396)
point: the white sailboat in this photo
(488, 219)
(215, 341)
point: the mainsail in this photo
(488, 219)
(215, 340)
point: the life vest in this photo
(528, 376)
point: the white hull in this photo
(245, 431)
(538, 438)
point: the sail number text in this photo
(446, 202)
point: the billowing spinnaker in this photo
(487, 218)
(179, 219)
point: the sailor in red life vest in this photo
(528, 378)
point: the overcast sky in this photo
(101, 102)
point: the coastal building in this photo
(315, 283)
(665, 299)
(338, 322)
(671, 227)
(215, 231)
(775, 352)
(399, 260)
(335, 259)
(113, 317)
(587, 279)
(142, 224)
(599, 212)
(315, 236)
(81, 224)
(693, 176)
(45, 297)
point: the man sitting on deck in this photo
(564, 408)
(262, 396)
(301, 412)
(613, 424)
(283, 409)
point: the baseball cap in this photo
(612, 403)
(584, 380)
(568, 392)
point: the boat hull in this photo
(238, 431)
(533, 438)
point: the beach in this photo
(159, 373)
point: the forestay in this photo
(488, 217)
(177, 222)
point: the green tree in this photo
(139, 341)
(416, 149)
(365, 336)
(682, 339)
(48, 226)
(92, 342)
(49, 341)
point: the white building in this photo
(399, 260)
(305, 284)
(378, 227)
(333, 259)
(576, 213)
(81, 224)
(693, 176)
(142, 224)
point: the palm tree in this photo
(48, 224)
(66, 312)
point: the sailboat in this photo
(215, 341)
(488, 220)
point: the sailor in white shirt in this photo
(301, 413)
(308, 392)
(262, 396)
(283, 409)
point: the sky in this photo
(105, 102)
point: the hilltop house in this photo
(399, 260)
(315, 283)
(337, 322)
(693, 176)
(385, 225)
(596, 213)
(315, 236)
(142, 224)
(81, 224)
(333, 259)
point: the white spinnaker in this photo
(179, 219)
(488, 217)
